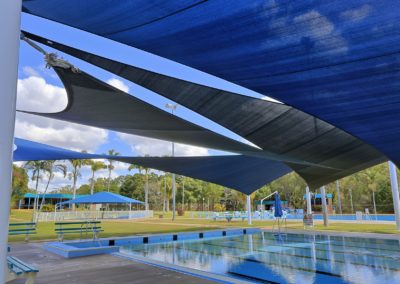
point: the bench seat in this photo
(19, 269)
(17, 229)
(11, 233)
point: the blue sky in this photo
(41, 90)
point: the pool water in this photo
(286, 258)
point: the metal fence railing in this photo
(91, 215)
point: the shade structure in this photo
(277, 206)
(26, 150)
(243, 173)
(95, 103)
(337, 60)
(103, 198)
(290, 134)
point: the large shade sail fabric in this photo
(95, 103)
(276, 128)
(243, 173)
(339, 61)
(25, 150)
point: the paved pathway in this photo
(94, 269)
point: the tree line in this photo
(357, 191)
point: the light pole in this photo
(308, 200)
(172, 107)
(324, 208)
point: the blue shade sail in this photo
(290, 134)
(94, 103)
(243, 173)
(336, 60)
(25, 150)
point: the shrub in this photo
(181, 212)
(48, 208)
(219, 207)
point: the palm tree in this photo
(36, 167)
(76, 173)
(110, 166)
(50, 168)
(95, 166)
(146, 186)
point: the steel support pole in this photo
(248, 209)
(339, 200)
(308, 200)
(172, 107)
(173, 188)
(10, 13)
(395, 193)
(324, 208)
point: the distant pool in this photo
(347, 217)
(289, 258)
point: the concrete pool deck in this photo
(94, 269)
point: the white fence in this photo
(92, 215)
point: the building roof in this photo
(52, 195)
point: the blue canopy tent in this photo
(103, 198)
(106, 198)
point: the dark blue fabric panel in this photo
(31, 151)
(337, 60)
(243, 173)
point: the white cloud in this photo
(35, 94)
(153, 147)
(118, 84)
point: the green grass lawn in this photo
(352, 227)
(45, 230)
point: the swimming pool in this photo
(285, 258)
